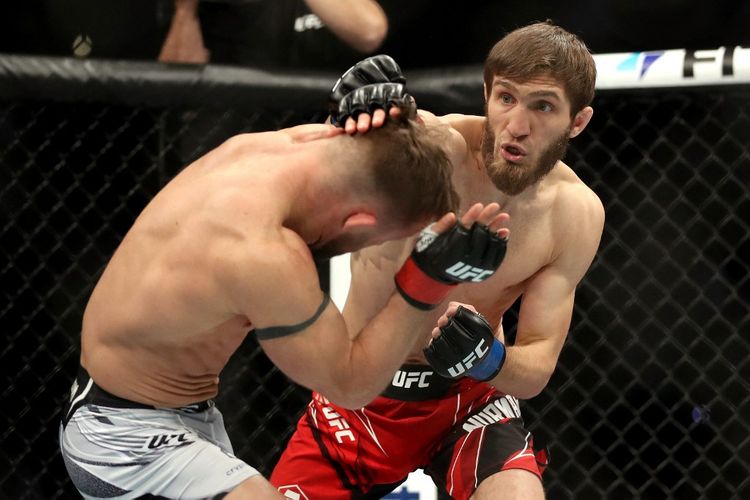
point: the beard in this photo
(512, 178)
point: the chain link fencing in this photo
(651, 397)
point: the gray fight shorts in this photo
(118, 452)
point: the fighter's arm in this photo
(463, 343)
(348, 368)
(275, 285)
(184, 40)
(547, 303)
(362, 24)
(371, 284)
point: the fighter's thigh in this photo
(115, 452)
(473, 454)
(254, 488)
(203, 470)
(513, 484)
(303, 471)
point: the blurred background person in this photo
(274, 33)
(334, 34)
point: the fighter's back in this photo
(159, 300)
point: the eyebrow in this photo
(536, 93)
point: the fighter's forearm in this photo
(362, 24)
(375, 354)
(526, 370)
(447, 254)
(184, 40)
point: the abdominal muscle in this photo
(165, 374)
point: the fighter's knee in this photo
(513, 484)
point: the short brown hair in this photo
(542, 49)
(412, 169)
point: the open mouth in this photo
(512, 153)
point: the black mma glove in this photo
(371, 97)
(440, 262)
(466, 347)
(375, 70)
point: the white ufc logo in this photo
(336, 420)
(406, 379)
(468, 361)
(464, 272)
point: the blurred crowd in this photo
(322, 34)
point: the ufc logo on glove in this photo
(468, 362)
(465, 272)
(466, 346)
(441, 261)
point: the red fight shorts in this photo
(460, 433)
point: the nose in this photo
(519, 125)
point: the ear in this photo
(580, 121)
(360, 220)
(486, 96)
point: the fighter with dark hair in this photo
(226, 248)
(458, 416)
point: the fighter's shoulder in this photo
(284, 247)
(470, 128)
(266, 254)
(568, 188)
(460, 122)
(577, 209)
(462, 130)
(309, 132)
(281, 137)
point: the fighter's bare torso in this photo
(541, 229)
(158, 328)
